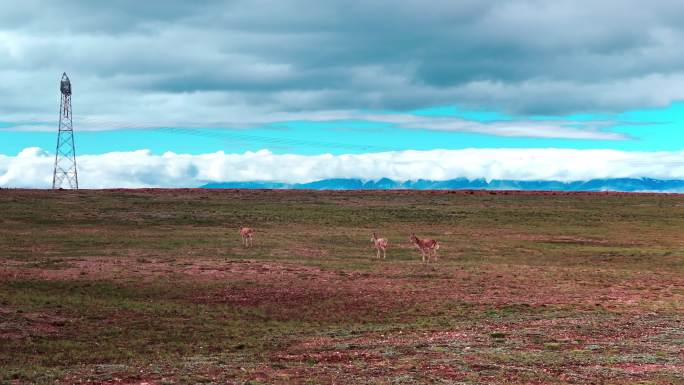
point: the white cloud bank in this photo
(561, 129)
(32, 167)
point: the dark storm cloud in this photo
(223, 60)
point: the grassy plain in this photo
(154, 286)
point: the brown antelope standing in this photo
(247, 233)
(426, 247)
(380, 244)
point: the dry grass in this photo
(110, 287)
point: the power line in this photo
(231, 136)
(278, 141)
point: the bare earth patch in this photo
(16, 325)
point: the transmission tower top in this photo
(65, 85)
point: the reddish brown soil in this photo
(395, 284)
(16, 325)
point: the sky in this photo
(178, 93)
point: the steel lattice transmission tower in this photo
(65, 157)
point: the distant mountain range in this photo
(617, 184)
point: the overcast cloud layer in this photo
(33, 166)
(180, 62)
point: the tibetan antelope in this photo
(380, 244)
(247, 233)
(426, 247)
